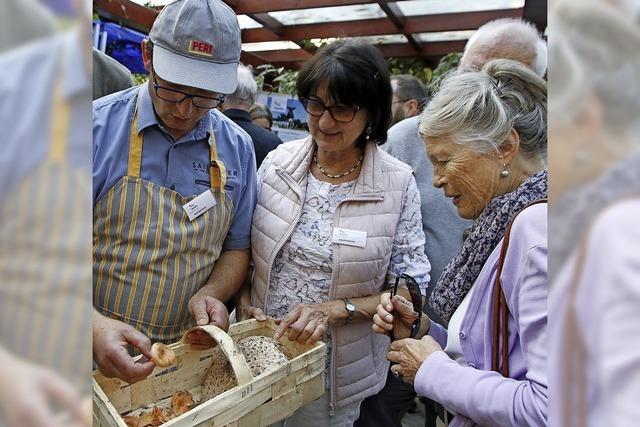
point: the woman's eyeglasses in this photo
(176, 97)
(416, 299)
(340, 113)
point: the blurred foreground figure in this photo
(594, 327)
(45, 222)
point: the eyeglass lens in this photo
(340, 113)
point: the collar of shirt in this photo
(74, 66)
(147, 117)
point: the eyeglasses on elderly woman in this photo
(416, 299)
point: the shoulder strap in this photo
(500, 311)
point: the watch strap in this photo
(351, 312)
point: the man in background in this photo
(503, 38)
(237, 105)
(409, 97)
(109, 76)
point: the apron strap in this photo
(217, 170)
(59, 128)
(135, 145)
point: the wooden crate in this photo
(259, 402)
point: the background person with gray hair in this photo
(237, 105)
(503, 38)
(409, 97)
(506, 38)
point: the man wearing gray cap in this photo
(174, 189)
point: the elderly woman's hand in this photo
(307, 322)
(394, 314)
(409, 354)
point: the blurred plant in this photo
(276, 79)
(413, 66)
(139, 78)
(447, 63)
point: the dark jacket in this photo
(263, 140)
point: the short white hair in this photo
(247, 90)
(507, 38)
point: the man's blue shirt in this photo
(182, 165)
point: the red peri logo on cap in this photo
(201, 48)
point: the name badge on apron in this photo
(199, 205)
(344, 236)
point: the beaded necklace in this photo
(328, 175)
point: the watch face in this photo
(350, 306)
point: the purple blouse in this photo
(475, 393)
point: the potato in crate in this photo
(247, 380)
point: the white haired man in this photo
(503, 38)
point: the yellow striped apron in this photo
(149, 259)
(45, 270)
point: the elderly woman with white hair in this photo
(486, 136)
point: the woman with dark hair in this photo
(337, 221)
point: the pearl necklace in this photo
(328, 175)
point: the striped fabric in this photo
(149, 259)
(45, 312)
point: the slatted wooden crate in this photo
(256, 402)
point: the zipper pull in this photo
(332, 411)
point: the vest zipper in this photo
(292, 184)
(334, 341)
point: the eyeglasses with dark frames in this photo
(416, 299)
(175, 96)
(340, 113)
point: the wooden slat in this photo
(277, 57)
(395, 15)
(127, 13)
(259, 6)
(535, 11)
(379, 26)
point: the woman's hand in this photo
(409, 354)
(307, 323)
(394, 314)
(247, 311)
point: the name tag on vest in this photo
(343, 236)
(199, 205)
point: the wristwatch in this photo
(351, 309)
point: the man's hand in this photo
(394, 314)
(110, 340)
(208, 310)
(307, 322)
(409, 354)
(29, 392)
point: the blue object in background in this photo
(123, 45)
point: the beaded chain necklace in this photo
(328, 175)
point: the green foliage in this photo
(283, 80)
(413, 66)
(139, 78)
(447, 63)
(276, 79)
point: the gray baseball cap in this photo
(197, 43)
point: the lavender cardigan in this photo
(476, 394)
